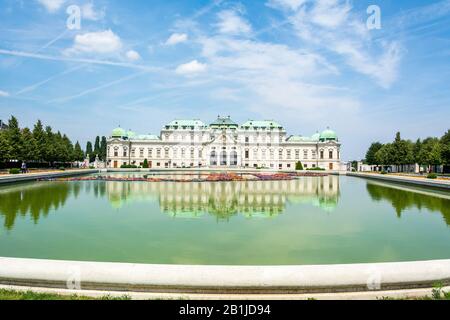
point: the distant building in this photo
(224, 144)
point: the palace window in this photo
(297, 154)
(321, 154)
(314, 155)
(255, 153)
(305, 154)
(192, 153)
(272, 154)
(330, 154)
(175, 153)
(125, 152)
(247, 139)
(183, 153)
(280, 153)
(200, 153)
(158, 153)
(116, 152)
(141, 153)
(247, 154)
(264, 154)
(288, 154)
(133, 152)
(150, 153)
(166, 152)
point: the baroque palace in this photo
(224, 144)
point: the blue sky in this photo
(308, 64)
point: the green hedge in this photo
(315, 169)
(14, 171)
(432, 176)
(128, 166)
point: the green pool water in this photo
(313, 220)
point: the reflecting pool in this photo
(310, 220)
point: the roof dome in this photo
(118, 133)
(328, 135)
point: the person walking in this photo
(24, 167)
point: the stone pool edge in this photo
(445, 185)
(17, 178)
(188, 279)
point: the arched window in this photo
(234, 158)
(213, 160)
(223, 158)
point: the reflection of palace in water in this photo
(225, 199)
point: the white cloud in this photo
(90, 13)
(286, 4)
(4, 94)
(230, 22)
(133, 55)
(332, 26)
(176, 38)
(190, 68)
(96, 42)
(52, 5)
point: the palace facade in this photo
(224, 144)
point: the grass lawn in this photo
(29, 295)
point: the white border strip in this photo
(235, 279)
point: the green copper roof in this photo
(328, 135)
(131, 134)
(118, 133)
(299, 139)
(186, 123)
(270, 124)
(224, 122)
(146, 137)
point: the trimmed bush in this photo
(145, 165)
(128, 166)
(62, 168)
(316, 169)
(383, 172)
(298, 166)
(14, 171)
(432, 176)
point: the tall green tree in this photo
(97, 150)
(50, 152)
(14, 139)
(89, 150)
(28, 146)
(78, 152)
(430, 154)
(385, 156)
(39, 136)
(445, 146)
(103, 148)
(370, 155)
(4, 147)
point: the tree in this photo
(4, 147)
(145, 164)
(78, 152)
(298, 166)
(14, 139)
(28, 145)
(430, 153)
(40, 141)
(97, 150)
(50, 154)
(89, 150)
(103, 148)
(370, 155)
(385, 156)
(445, 145)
